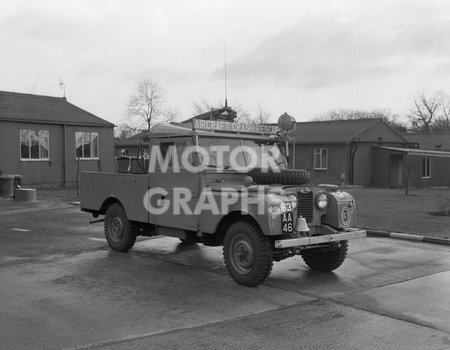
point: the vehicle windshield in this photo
(241, 155)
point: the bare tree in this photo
(425, 111)
(170, 114)
(262, 116)
(243, 115)
(352, 114)
(146, 105)
(390, 118)
(203, 106)
(125, 131)
(442, 121)
(343, 114)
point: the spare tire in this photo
(284, 177)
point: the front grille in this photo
(305, 205)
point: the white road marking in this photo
(20, 229)
(97, 239)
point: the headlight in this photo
(293, 199)
(321, 200)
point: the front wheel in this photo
(120, 233)
(247, 253)
(325, 259)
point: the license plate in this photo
(287, 222)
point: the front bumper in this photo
(348, 234)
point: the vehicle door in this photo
(177, 188)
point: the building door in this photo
(396, 171)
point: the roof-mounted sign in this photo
(223, 126)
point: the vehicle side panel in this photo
(128, 189)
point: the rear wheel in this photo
(325, 260)
(120, 233)
(247, 253)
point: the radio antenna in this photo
(63, 87)
(225, 72)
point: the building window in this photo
(34, 144)
(426, 168)
(87, 145)
(321, 158)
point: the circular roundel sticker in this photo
(346, 216)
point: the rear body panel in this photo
(128, 189)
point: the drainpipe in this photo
(293, 153)
(353, 149)
(64, 155)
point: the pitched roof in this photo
(334, 131)
(138, 137)
(45, 109)
(430, 140)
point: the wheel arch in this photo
(107, 202)
(231, 218)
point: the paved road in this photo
(61, 287)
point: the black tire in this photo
(247, 253)
(120, 233)
(284, 177)
(325, 260)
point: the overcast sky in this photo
(300, 57)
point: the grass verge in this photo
(391, 210)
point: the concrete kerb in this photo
(408, 237)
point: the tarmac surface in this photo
(62, 288)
